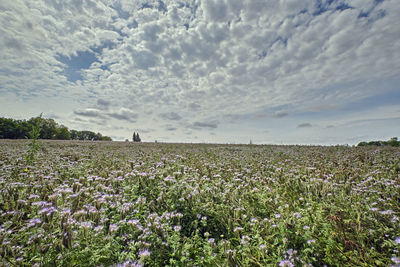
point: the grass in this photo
(129, 204)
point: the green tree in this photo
(393, 141)
(63, 133)
(7, 128)
(73, 134)
(48, 128)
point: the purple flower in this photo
(129, 264)
(98, 228)
(33, 222)
(297, 215)
(86, 225)
(133, 222)
(291, 252)
(113, 227)
(144, 253)
(396, 260)
(286, 263)
(48, 211)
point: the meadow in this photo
(83, 203)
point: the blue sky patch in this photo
(82, 60)
(74, 64)
(322, 6)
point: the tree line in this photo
(392, 142)
(49, 129)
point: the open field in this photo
(109, 203)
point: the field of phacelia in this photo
(129, 204)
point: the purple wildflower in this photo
(33, 222)
(144, 253)
(287, 263)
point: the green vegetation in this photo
(136, 137)
(126, 204)
(33, 145)
(49, 129)
(392, 142)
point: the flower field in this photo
(152, 204)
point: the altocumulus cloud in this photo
(124, 115)
(211, 124)
(139, 61)
(304, 125)
(171, 116)
(89, 112)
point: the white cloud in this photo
(124, 114)
(89, 112)
(171, 116)
(203, 60)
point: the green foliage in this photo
(88, 135)
(49, 129)
(33, 145)
(392, 142)
(63, 133)
(108, 203)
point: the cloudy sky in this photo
(226, 71)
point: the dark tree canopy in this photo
(392, 142)
(49, 129)
(136, 137)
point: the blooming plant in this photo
(123, 204)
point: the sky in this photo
(226, 71)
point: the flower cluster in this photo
(122, 204)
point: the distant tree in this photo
(74, 134)
(136, 137)
(63, 133)
(48, 129)
(7, 128)
(106, 138)
(393, 141)
(375, 143)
